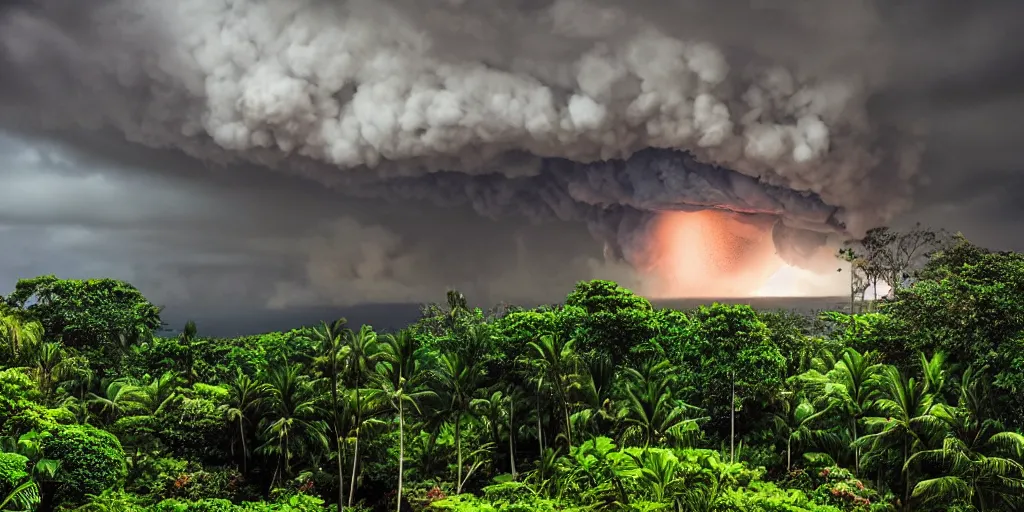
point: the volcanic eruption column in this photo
(709, 169)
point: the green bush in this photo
(13, 470)
(162, 477)
(193, 427)
(154, 477)
(292, 503)
(840, 488)
(205, 505)
(91, 461)
(767, 497)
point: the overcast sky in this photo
(238, 239)
(229, 241)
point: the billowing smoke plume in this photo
(568, 109)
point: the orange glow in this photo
(713, 253)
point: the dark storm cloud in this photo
(815, 112)
(242, 238)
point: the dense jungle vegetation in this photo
(600, 403)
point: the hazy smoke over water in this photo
(602, 112)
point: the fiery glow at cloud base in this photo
(715, 253)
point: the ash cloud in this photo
(601, 112)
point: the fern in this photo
(22, 499)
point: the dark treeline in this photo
(602, 402)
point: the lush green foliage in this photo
(601, 403)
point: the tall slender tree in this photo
(363, 354)
(246, 396)
(332, 345)
(459, 380)
(292, 426)
(557, 360)
(401, 377)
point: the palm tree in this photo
(362, 421)
(158, 393)
(907, 424)
(514, 396)
(493, 410)
(933, 373)
(849, 386)
(980, 460)
(403, 359)
(18, 335)
(363, 355)
(292, 427)
(457, 307)
(187, 339)
(117, 395)
(403, 375)
(556, 360)
(459, 379)
(796, 423)
(245, 397)
(650, 410)
(595, 389)
(331, 343)
(49, 361)
(401, 363)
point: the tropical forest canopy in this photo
(603, 402)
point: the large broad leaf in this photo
(23, 498)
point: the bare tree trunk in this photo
(458, 452)
(568, 426)
(511, 435)
(337, 433)
(355, 454)
(355, 463)
(245, 453)
(789, 452)
(906, 478)
(341, 477)
(401, 453)
(732, 422)
(856, 450)
(540, 431)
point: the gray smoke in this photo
(596, 111)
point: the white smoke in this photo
(383, 95)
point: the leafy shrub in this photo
(154, 476)
(17, 392)
(193, 427)
(840, 488)
(162, 477)
(518, 497)
(91, 460)
(13, 469)
(291, 503)
(767, 497)
(205, 505)
(463, 503)
(110, 501)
